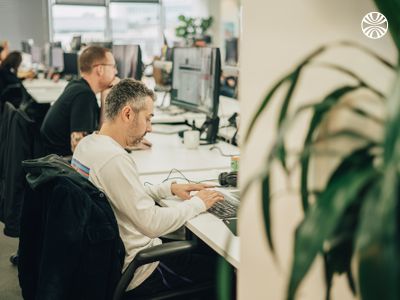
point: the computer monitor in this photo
(26, 47)
(107, 45)
(56, 58)
(129, 61)
(37, 57)
(195, 79)
(231, 54)
(76, 43)
(195, 83)
(71, 64)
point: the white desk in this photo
(206, 226)
(169, 153)
(44, 90)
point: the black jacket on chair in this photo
(20, 141)
(6, 119)
(69, 242)
(12, 89)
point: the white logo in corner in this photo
(374, 25)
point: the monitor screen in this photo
(195, 79)
(129, 61)
(107, 45)
(36, 53)
(57, 58)
(26, 47)
(71, 64)
(76, 43)
(231, 54)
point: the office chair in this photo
(14, 94)
(20, 141)
(157, 253)
(50, 240)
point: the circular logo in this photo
(374, 25)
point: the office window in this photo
(70, 20)
(137, 23)
(128, 22)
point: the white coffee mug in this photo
(191, 139)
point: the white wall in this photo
(276, 35)
(23, 19)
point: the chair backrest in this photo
(21, 140)
(13, 93)
(69, 244)
(6, 119)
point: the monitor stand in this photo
(210, 126)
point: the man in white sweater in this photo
(101, 157)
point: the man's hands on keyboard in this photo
(187, 190)
(210, 197)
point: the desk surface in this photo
(169, 153)
(206, 226)
(44, 90)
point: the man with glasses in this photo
(76, 112)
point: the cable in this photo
(184, 177)
(176, 170)
(222, 153)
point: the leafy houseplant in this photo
(192, 28)
(356, 216)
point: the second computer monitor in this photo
(195, 79)
(57, 58)
(129, 61)
(71, 64)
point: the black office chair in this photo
(54, 209)
(21, 140)
(157, 253)
(13, 93)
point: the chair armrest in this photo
(150, 255)
(158, 252)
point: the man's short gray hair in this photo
(127, 91)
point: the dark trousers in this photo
(177, 272)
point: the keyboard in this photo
(228, 207)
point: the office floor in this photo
(9, 287)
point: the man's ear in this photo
(99, 70)
(127, 113)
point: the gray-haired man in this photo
(101, 158)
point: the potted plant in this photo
(193, 29)
(354, 221)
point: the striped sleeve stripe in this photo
(82, 169)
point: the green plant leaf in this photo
(266, 196)
(369, 52)
(391, 11)
(377, 240)
(293, 79)
(320, 111)
(306, 61)
(224, 279)
(352, 175)
(292, 76)
(351, 74)
(393, 124)
(338, 257)
(265, 102)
